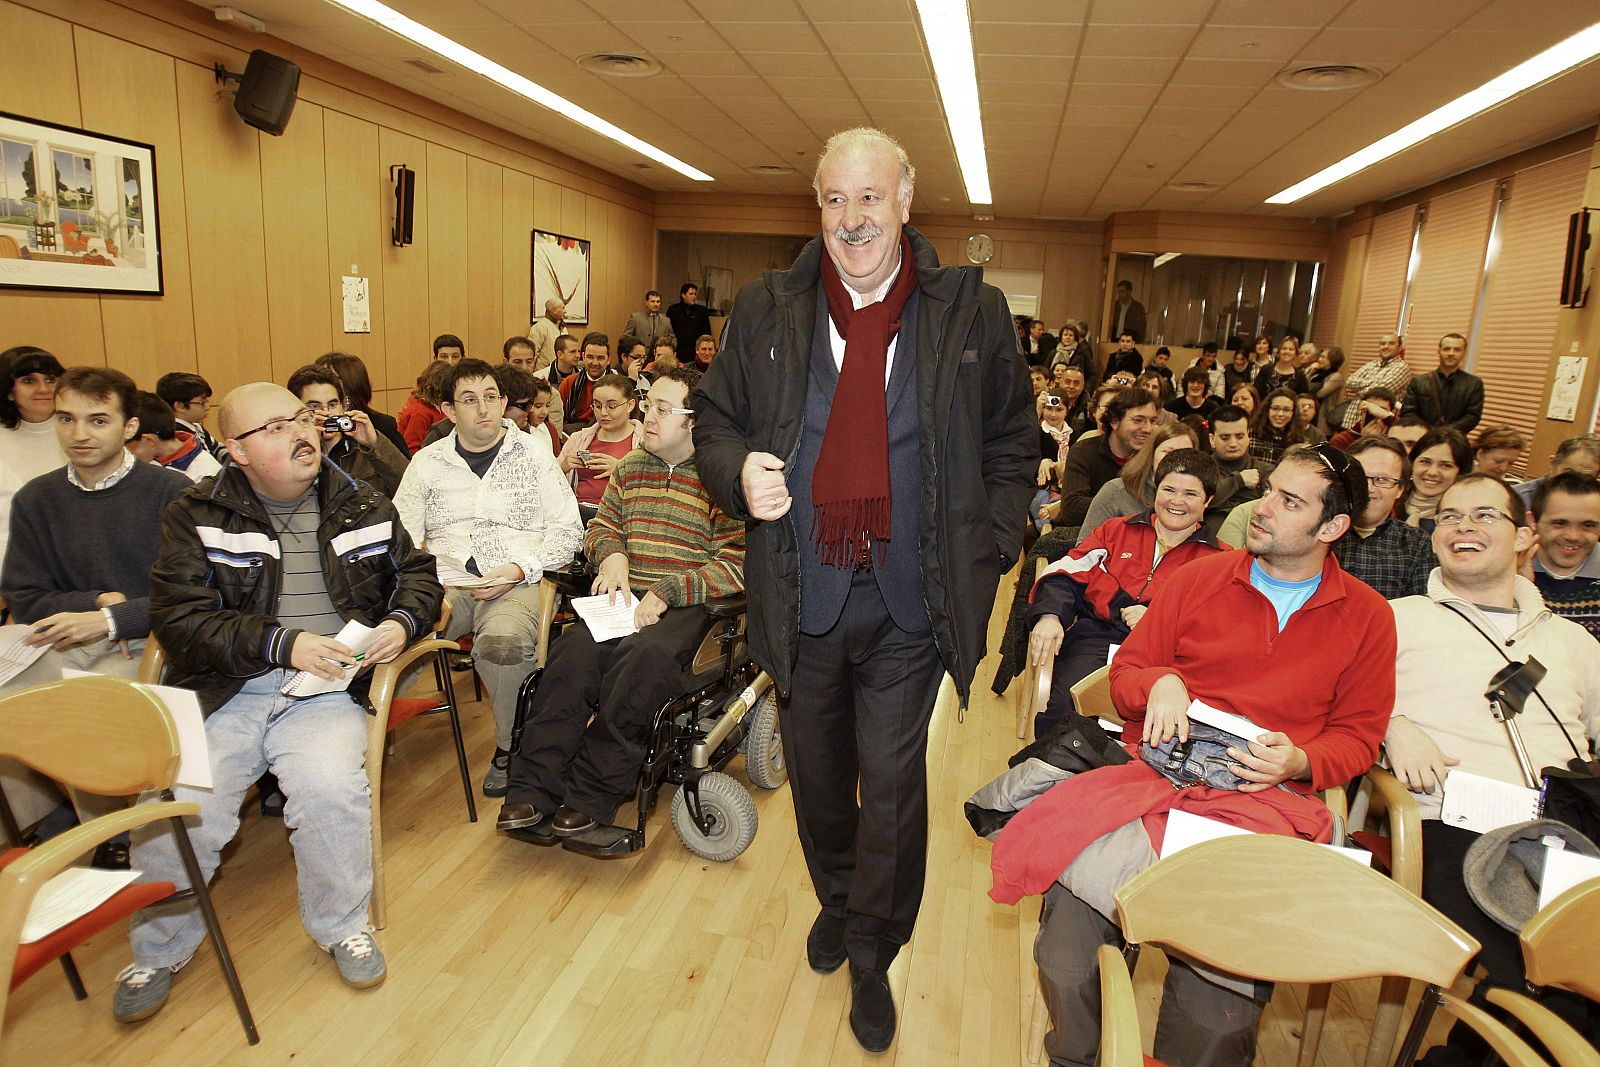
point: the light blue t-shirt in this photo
(1287, 597)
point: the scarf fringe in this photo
(842, 528)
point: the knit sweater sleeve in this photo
(605, 535)
(721, 575)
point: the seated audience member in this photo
(541, 420)
(1216, 378)
(517, 386)
(1377, 413)
(160, 441)
(705, 350)
(1316, 677)
(519, 352)
(248, 589)
(1075, 351)
(190, 398)
(1161, 364)
(591, 454)
(1245, 398)
(1442, 721)
(1126, 358)
(1324, 381)
(1239, 371)
(659, 536)
(1409, 429)
(632, 354)
(1054, 438)
(1243, 476)
(492, 500)
(361, 453)
(1307, 358)
(577, 390)
(1448, 396)
(1039, 380)
(358, 393)
(1275, 427)
(1133, 490)
(1195, 399)
(29, 446)
(1305, 405)
(1437, 459)
(664, 357)
(1566, 568)
(1388, 554)
(1087, 424)
(1496, 450)
(1070, 381)
(447, 348)
(420, 411)
(1095, 595)
(1261, 355)
(1128, 422)
(1284, 372)
(1580, 454)
(566, 358)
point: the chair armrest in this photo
(49, 859)
(723, 607)
(386, 676)
(573, 580)
(1399, 807)
(1554, 1032)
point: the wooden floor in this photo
(504, 953)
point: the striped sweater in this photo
(679, 544)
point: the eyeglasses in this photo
(305, 418)
(487, 400)
(332, 405)
(1383, 481)
(612, 405)
(663, 409)
(1479, 516)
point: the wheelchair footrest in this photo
(605, 842)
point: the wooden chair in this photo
(1226, 903)
(1121, 1043)
(1035, 688)
(1569, 1047)
(1562, 942)
(105, 736)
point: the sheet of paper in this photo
(1481, 804)
(1564, 869)
(194, 755)
(357, 308)
(1111, 653)
(1237, 725)
(453, 573)
(607, 621)
(72, 894)
(1185, 829)
(16, 657)
(355, 636)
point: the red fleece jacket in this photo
(1327, 680)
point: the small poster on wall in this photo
(77, 210)
(561, 272)
(1566, 387)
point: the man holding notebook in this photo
(258, 569)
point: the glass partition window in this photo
(1189, 300)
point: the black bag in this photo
(1572, 795)
(1077, 745)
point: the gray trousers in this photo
(1202, 1024)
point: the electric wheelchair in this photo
(728, 707)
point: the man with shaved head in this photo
(260, 567)
(870, 420)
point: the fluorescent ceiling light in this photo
(460, 54)
(948, 31)
(1551, 63)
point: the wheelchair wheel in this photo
(763, 744)
(732, 813)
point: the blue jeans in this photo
(317, 747)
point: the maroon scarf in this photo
(850, 483)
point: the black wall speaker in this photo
(1574, 287)
(405, 199)
(267, 91)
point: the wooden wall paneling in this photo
(516, 262)
(1020, 255)
(226, 256)
(1344, 334)
(447, 242)
(407, 329)
(131, 92)
(484, 291)
(602, 260)
(572, 213)
(546, 207)
(294, 206)
(359, 220)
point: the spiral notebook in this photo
(355, 636)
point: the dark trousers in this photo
(1076, 661)
(1201, 1024)
(858, 714)
(591, 766)
(1444, 847)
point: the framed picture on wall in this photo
(561, 272)
(77, 210)
(717, 293)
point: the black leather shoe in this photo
(871, 1009)
(111, 856)
(538, 834)
(825, 944)
(518, 816)
(569, 822)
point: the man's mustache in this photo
(860, 235)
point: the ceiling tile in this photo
(1031, 69)
(1232, 97)
(1107, 70)
(1185, 12)
(1272, 13)
(872, 38)
(580, 38)
(1379, 48)
(1131, 42)
(1059, 11)
(1225, 72)
(1090, 95)
(1404, 14)
(705, 64)
(1024, 39)
(1249, 43)
(884, 66)
(782, 37)
(905, 90)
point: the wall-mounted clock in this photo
(980, 248)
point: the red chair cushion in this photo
(465, 641)
(404, 709)
(31, 957)
(1378, 845)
